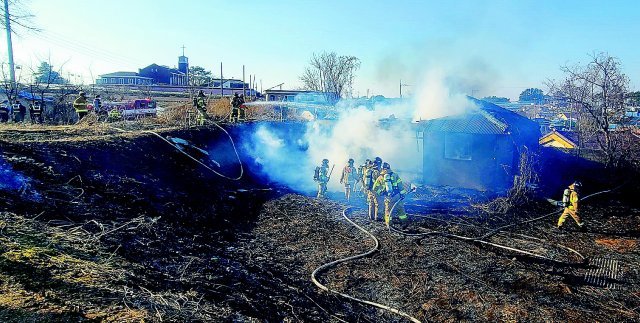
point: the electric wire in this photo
(354, 257)
(56, 39)
(82, 49)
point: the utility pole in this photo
(401, 85)
(243, 90)
(221, 82)
(12, 72)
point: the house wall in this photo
(492, 163)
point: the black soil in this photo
(123, 227)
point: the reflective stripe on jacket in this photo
(323, 175)
(574, 200)
(80, 104)
(349, 175)
(388, 184)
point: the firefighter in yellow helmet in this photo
(349, 178)
(374, 200)
(389, 185)
(570, 200)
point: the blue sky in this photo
(489, 47)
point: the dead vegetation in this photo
(167, 242)
(520, 192)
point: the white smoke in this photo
(437, 97)
(358, 133)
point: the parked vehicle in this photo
(134, 109)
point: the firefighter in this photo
(366, 177)
(241, 109)
(389, 185)
(361, 170)
(374, 200)
(236, 102)
(200, 104)
(570, 200)
(114, 115)
(97, 105)
(80, 105)
(4, 111)
(20, 111)
(322, 176)
(349, 178)
(35, 112)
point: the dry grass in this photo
(619, 245)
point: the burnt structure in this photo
(479, 149)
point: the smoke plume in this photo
(386, 130)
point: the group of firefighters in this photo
(237, 113)
(17, 112)
(380, 185)
(378, 182)
(81, 106)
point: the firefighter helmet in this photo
(325, 162)
(377, 161)
(386, 166)
(351, 161)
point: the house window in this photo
(457, 146)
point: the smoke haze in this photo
(290, 157)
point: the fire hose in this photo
(354, 257)
(195, 159)
(481, 239)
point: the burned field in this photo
(99, 224)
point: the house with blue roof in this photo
(479, 149)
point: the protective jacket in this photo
(349, 175)
(199, 102)
(573, 200)
(97, 105)
(369, 177)
(80, 104)
(36, 109)
(388, 184)
(236, 102)
(323, 174)
(114, 114)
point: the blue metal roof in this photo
(486, 118)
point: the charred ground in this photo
(100, 224)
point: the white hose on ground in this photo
(358, 256)
(480, 239)
(194, 159)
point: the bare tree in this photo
(596, 91)
(11, 90)
(20, 16)
(330, 73)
